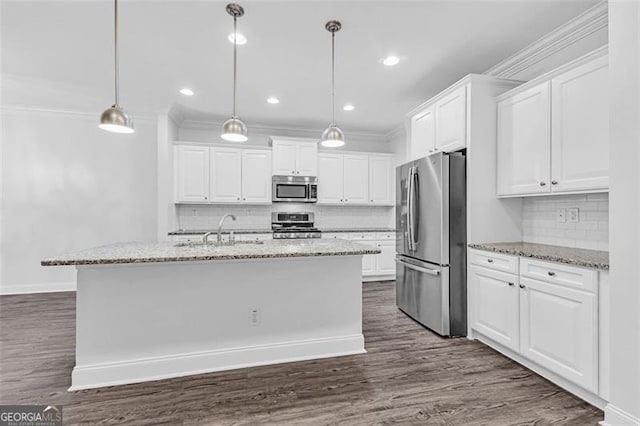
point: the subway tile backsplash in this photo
(199, 217)
(540, 222)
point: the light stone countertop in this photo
(269, 231)
(594, 259)
(136, 252)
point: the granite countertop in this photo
(136, 252)
(269, 231)
(572, 256)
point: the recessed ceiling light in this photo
(187, 92)
(348, 107)
(238, 38)
(391, 60)
(273, 100)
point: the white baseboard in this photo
(158, 368)
(366, 279)
(613, 416)
(37, 288)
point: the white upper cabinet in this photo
(330, 178)
(423, 133)
(220, 174)
(256, 176)
(553, 133)
(295, 158)
(381, 180)
(192, 174)
(523, 142)
(226, 175)
(580, 128)
(356, 179)
(451, 121)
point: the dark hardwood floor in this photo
(408, 376)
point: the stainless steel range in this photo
(293, 225)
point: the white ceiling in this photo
(62, 50)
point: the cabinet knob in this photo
(551, 273)
(521, 285)
(543, 183)
(511, 284)
(372, 201)
(238, 198)
(244, 199)
(345, 200)
(490, 260)
(554, 182)
(341, 200)
(205, 198)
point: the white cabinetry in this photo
(192, 174)
(220, 174)
(379, 266)
(545, 312)
(451, 121)
(423, 133)
(553, 131)
(293, 157)
(357, 179)
(386, 260)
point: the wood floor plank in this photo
(409, 376)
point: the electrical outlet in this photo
(194, 212)
(561, 215)
(254, 317)
(573, 215)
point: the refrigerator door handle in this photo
(409, 208)
(418, 268)
(412, 229)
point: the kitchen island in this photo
(149, 311)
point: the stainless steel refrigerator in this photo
(431, 242)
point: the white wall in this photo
(67, 185)
(624, 119)
(540, 223)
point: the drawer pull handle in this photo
(490, 260)
(521, 285)
(551, 274)
(511, 284)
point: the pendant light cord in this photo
(115, 50)
(333, 77)
(235, 63)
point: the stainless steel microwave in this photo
(295, 189)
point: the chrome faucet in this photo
(222, 219)
(205, 238)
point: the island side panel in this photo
(139, 322)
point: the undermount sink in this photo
(214, 244)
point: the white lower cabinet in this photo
(374, 266)
(552, 322)
(386, 261)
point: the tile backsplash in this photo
(541, 223)
(191, 216)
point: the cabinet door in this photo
(192, 174)
(256, 176)
(423, 133)
(558, 329)
(451, 121)
(494, 305)
(226, 175)
(380, 181)
(356, 179)
(368, 260)
(580, 128)
(386, 261)
(524, 142)
(284, 158)
(307, 159)
(330, 179)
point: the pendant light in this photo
(114, 118)
(234, 130)
(333, 137)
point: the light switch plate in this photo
(561, 215)
(573, 215)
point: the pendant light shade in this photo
(234, 130)
(333, 137)
(115, 119)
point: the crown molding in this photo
(68, 112)
(583, 25)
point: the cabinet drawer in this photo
(380, 236)
(558, 273)
(496, 261)
(362, 236)
(336, 235)
(186, 238)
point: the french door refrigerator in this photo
(431, 242)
